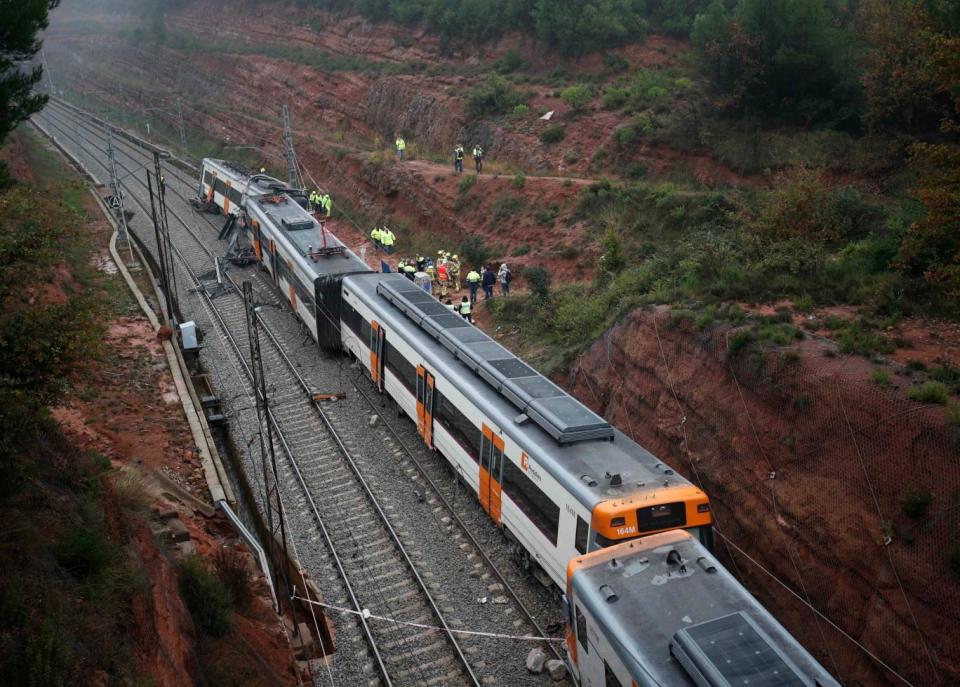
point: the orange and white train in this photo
(560, 482)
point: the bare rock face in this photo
(535, 660)
(395, 105)
(808, 430)
(163, 629)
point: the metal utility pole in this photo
(46, 68)
(116, 202)
(183, 129)
(278, 532)
(293, 170)
(165, 234)
(161, 258)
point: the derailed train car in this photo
(662, 611)
(288, 242)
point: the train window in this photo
(485, 448)
(495, 464)
(581, 630)
(610, 677)
(235, 196)
(208, 178)
(365, 330)
(582, 529)
(662, 517)
(352, 319)
(220, 187)
(535, 504)
(456, 423)
(404, 371)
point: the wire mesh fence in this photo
(837, 501)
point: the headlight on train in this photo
(703, 507)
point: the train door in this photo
(425, 386)
(377, 343)
(256, 239)
(491, 472)
(274, 262)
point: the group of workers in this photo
(322, 201)
(458, 154)
(383, 238)
(441, 277)
(458, 158)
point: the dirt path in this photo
(438, 168)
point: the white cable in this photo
(367, 615)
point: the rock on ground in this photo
(557, 669)
(535, 660)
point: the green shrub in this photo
(539, 280)
(947, 374)
(614, 98)
(915, 365)
(234, 573)
(206, 597)
(853, 338)
(626, 136)
(741, 340)
(636, 170)
(577, 97)
(522, 249)
(510, 61)
(520, 110)
(83, 551)
(571, 156)
(930, 392)
(519, 180)
(506, 207)
(804, 303)
(546, 215)
(881, 376)
(339, 153)
(466, 183)
(474, 252)
(916, 504)
(553, 134)
(495, 96)
(953, 414)
(780, 334)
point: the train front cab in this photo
(650, 511)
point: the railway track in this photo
(336, 485)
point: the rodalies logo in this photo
(524, 461)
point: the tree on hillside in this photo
(931, 248)
(22, 20)
(901, 90)
(576, 27)
(785, 59)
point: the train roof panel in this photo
(671, 612)
(580, 466)
(559, 414)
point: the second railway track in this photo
(377, 559)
